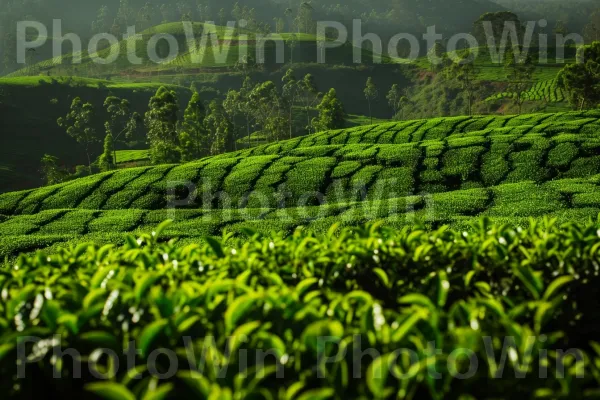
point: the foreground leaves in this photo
(289, 317)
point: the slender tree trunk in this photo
(114, 153)
(290, 121)
(470, 105)
(370, 113)
(248, 130)
(234, 137)
(87, 153)
(308, 119)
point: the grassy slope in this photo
(28, 117)
(127, 156)
(435, 171)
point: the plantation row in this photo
(546, 90)
(363, 313)
(444, 128)
(335, 173)
(567, 200)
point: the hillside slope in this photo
(231, 46)
(430, 171)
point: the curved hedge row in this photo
(363, 313)
(546, 90)
(344, 166)
(567, 200)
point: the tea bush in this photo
(367, 312)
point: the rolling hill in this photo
(233, 44)
(434, 172)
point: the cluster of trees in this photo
(581, 81)
(570, 16)
(272, 111)
(262, 111)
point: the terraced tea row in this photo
(302, 172)
(546, 90)
(439, 129)
(567, 200)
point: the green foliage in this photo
(519, 71)
(463, 70)
(395, 100)
(161, 124)
(371, 94)
(131, 156)
(544, 90)
(51, 171)
(308, 96)
(268, 107)
(193, 137)
(106, 161)
(331, 113)
(442, 171)
(219, 128)
(122, 122)
(580, 80)
(78, 124)
(498, 21)
(373, 287)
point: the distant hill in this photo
(236, 45)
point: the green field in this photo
(440, 171)
(129, 156)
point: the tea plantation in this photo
(446, 258)
(435, 172)
(545, 90)
(368, 313)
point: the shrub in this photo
(138, 188)
(390, 289)
(562, 155)
(113, 184)
(462, 162)
(524, 200)
(345, 168)
(495, 166)
(391, 183)
(306, 179)
(240, 180)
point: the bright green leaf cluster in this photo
(533, 291)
